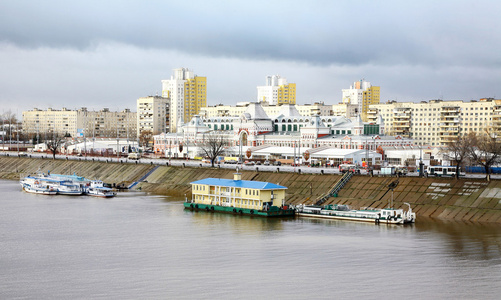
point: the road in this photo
(199, 164)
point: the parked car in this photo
(266, 163)
(277, 163)
(134, 155)
(249, 163)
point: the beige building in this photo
(438, 122)
(271, 110)
(79, 123)
(345, 109)
(153, 114)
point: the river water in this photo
(138, 246)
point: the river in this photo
(139, 246)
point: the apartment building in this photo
(362, 94)
(345, 109)
(187, 93)
(277, 91)
(81, 122)
(153, 114)
(438, 122)
(315, 109)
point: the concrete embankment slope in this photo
(13, 168)
(443, 198)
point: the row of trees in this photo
(8, 121)
(482, 149)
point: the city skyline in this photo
(93, 54)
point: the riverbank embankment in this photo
(443, 198)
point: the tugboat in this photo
(97, 189)
(237, 196)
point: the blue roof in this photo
(259, 185)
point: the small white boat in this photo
(68, 188)
(343, 212)
(103, 192)
(39, 189)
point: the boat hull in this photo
(39, 191)
(70, 193)
(358, 219)
(240, 211)
(102, 196)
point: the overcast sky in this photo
(109, 53)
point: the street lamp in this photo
(421, 165)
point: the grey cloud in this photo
(318, 32)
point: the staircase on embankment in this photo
(336, 188)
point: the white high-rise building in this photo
(362, 94)
(187, 93)
(277, 91)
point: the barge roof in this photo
(259, 185)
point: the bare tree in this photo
(213, 145)
(9, 118)
(458, 151)
(54, 142)
(486, 150)
(145, 138)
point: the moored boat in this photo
(240, 197)
(62, 187)
(67, 185)
(103, 192)
(343, 212)
(38, 189)
(68, 188)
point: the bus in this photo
(444, 171)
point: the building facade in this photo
(289, 130)
(345, 109)
(437, 122)
(187, 93)
(153, 114)
(81, 122)
(315, 109)
(277, 91)
(362, 94)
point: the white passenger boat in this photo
(38, 189)
(62, 187)
(103, 192)
(68, 188)
(343, 212)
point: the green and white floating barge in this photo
(343, 212)
(240, 197)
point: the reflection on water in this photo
(144, 246)
(235, 223)
(465, 239)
